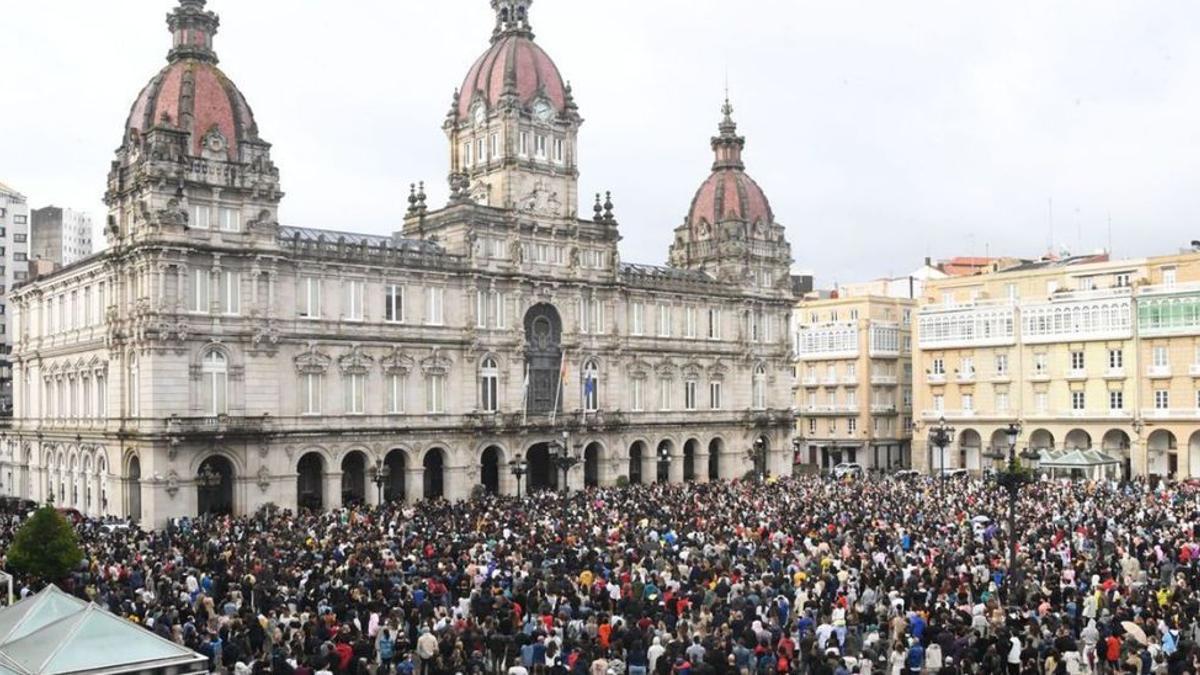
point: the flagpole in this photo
(525, 397)
(562, 363)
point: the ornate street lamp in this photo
(563, 459)
(1019, 470)
(758, 456)
(379, 475)
(797, 448)
(940, 437)
(518, 467)
(207, 479)
(664, 459)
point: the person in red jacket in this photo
(1112, 652)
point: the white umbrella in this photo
(1135, 631)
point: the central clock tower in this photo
(513, 125)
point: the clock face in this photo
(542, 110)
(480, 114)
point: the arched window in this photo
(591, 386)
(759, 388)
(214, 377)
(489, 378)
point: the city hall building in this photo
(214, 360)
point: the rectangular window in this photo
(1001, 365)
(1077, 362)
(1161, 357)
(309, 295)
(394, 382)
(1162, 399)
(1040, 402)
(968, 402)
(1116, 359)
(494, 145)
(636, 400)
(664, 393)
(1002, 402)
(467, 155)
(435, 394)
(968, 367)
(939, 403)
(480, 153)
(540, 146)
(714, 324)
(523, 144)
(689, 395)
(231, 292)
(1078, 400)
(937, 367)
(355, 295)
(714, 395)
(199, 301)
(310, 394)
(1121, 280)
(356, 393)
(664, 320)
(812, 426)
(689, 322)
(558, 150)
(481, 311)
(393, 303)
(852, 425)
(434, 295)
(231, 219)
(637, 319)
(1039, 364)
(1116, 400)
(1168, 277)
(199, 217)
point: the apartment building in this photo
(1084, 352)
(14, 268)
(854, 380)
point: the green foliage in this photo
(45, 546)
(622, 481)
(751, 476)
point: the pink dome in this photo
(729, 194)
(216, 104)
(191, 92)
(513, 60)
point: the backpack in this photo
(387, 648)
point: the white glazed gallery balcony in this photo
(981, 323)
(829, 409)
(1100, 314)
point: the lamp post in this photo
(1018, 471)
(941, 436)
(797, 447)
(563, 459)
(519, 467)
(664, 457)
(758, 459)
(379, 475)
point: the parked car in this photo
(906, 474)
(957, 473)
(847, 469)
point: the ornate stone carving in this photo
(397, 362)
(312, 361)
(436, 363)
(264, 479)
(355, 361)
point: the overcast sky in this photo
(881, 131)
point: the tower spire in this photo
(192, 30)
(727, 145)
(512, 18)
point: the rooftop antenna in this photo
(1050, 220)
(1110, 248)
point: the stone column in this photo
(675, 473)
(700, 465)
(414, 485)
(332, 494)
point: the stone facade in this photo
(214, 360)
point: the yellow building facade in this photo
(1084, 353)
(854, 381)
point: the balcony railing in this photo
(883, 409)
(884, 379)
(829, 409)
(1171, 413)
(1170, 289)
(935, 378)
(1158, 371)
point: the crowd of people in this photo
(800, 575)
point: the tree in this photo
(45, 546)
